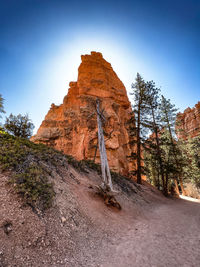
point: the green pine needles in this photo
(167, 162)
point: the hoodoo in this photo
(188, 122)
(72, 126)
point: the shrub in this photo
(20, 126)
(33, 186)
(31, 164)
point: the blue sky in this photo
(41, 42)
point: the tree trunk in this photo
(165, 187)
(139, 179)
(182, 187)
(105, 170)
(175, 156)
(158, 148)
(176, 187)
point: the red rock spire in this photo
(72, 126)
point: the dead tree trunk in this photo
(105, 170)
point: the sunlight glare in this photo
(189, 198)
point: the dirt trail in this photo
(80, 231)
(168, 236)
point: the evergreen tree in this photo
(191, 152)
(1, 111)
(194, 145)
(20, 126)
(168, 117)
(157, 161)
(141, 110)
(1, 105)
(170, 162)
(190, 148)
(152, 166)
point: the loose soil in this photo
(80, 230)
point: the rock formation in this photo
(72, 126)
(188, 122)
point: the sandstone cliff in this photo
(188, 122)
(72, 126)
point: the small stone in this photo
(63, 219)
(7, 227)
(47, 242)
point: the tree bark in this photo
(176, 187)
(105, 170)
(158, 148)
(175, 156)
(165, 187)
(139, 179)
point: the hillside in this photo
(76, 228)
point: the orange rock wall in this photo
(72, 126)
(188, 122)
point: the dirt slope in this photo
(79, 230)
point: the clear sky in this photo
(41, 42)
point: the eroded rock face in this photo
(72, 126)
(188, 122)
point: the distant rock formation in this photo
(188, 122)
(72, 126)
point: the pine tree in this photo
(141, 110)
(168, 117)
(152, 167)
(170, 162)
(20, 126)
(153, 101)
(191, 151)
(195, 154)
(190, 148)
(1, 105)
